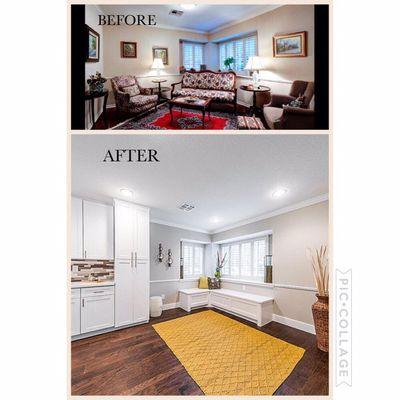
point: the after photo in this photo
(199, 265)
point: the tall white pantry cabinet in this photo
(132, 275)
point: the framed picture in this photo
(93, 54)
(161, 52)
(290, 45)
(128, 50)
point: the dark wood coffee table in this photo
(183, 102)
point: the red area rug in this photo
(189, 119)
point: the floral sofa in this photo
(130, 97)
(218, 86)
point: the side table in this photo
(96, 95)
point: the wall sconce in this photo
(169, 259)
(160, 253)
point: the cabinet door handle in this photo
(99, 291)
(83, 302)
(135, 259)
(85, 254)
(131, 259)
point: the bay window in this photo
(192, 55)
(192, 259)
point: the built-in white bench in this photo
(249, 306)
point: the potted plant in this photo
(96, 83)
(220, 264)
(320, 309)
(228, 61)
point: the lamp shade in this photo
(255, 63)
(157, 64)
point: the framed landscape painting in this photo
(161, 52)
(128, 50)
(290, 45)
(93, 45)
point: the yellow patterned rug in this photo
(226, 357)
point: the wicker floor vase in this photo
(320, 310)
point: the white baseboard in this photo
(294, 323)
(170, 306)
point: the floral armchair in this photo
(130, 97)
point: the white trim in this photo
(187, 228)
(175, 280)
(296, 287)
(246, 237)
(250, 283)
(249, 16)
(170, 306)
(284, 210)
(195, 241)
(294, 323)
(265, 80)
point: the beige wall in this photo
(286, 19)
(293, 233)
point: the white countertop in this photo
(78, 285)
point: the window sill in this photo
(244, 282)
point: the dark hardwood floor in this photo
(136, 361)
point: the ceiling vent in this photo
(186, 207)
(177, 13)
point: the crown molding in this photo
(174, 225)
(284, 210)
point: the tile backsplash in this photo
(92, 270)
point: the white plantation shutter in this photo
(259, 257)
(245, 259)
(193, 259)
(226, 269)
(192, 55)
(235, 259)
(240, 49)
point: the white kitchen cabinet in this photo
(142, 247)
(97, 309)
(76, 228)
(131, 231)
(75, 312)
(124, 298)
(97, 231)
(131, 270)
(141, 289)
(125, 230)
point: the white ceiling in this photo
(203, 18)
(225, 176)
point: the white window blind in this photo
(193, 259)
(240, 49)
(192, 55)
(245, 259)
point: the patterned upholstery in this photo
(218, 86)
(138, 103)
(205, 94)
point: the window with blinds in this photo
(192, 55)
(240, 49)
(193, 259)
(246, 259)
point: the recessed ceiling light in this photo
(188, 6)
(279, 193)
(214, 220)
(126, 192)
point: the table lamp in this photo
(255, 64)
(158, 65)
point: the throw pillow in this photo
(203, 282)
(132, 90)
(214, 283)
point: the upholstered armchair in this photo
(130, 97)
(279, 114)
